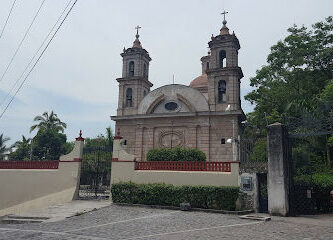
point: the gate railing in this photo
(29, 164)
(184, 166)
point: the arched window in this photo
(131, 69)
(222, 58)
(129, 97)
(222, 88)
(207, 66)
(144, 70)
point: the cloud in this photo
(77, 75)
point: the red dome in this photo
(200, 82)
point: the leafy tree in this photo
(299, 68)
(3, 147)
(97, 158)
(23, 150)
(48, 144)
(259, 153)
(48, 121)
(296, 83)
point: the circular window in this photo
(171, 106)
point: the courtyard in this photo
(123, 222)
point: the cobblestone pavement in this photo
(120, 222)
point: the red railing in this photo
(184, 166)
(29, 164)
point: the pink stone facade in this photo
(205, 115)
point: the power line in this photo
(34, 56)
(10, 12)
(19, 46)
(40, 56)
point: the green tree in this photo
(259, 153)
(299, 68)
(296, 84)
(23, 150)
(48, 144)
(48, 121)
(3, 148)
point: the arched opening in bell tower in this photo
(222, 59)
(129, 97)
(222, 88)
(131, 69)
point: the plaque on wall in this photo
(171, 139)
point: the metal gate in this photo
(95, 173)
(309, 162)
(262, 192)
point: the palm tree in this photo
(3, 148)
(48, 121)
(24, 142)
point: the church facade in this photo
(205, 115)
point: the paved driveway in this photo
(119, 222)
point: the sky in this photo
(76, 77)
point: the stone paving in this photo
(120, 222)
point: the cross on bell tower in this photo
(224, 13)
(134, 84)
(137, 30)
(224, 74)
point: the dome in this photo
(173, 98)
(199, 82)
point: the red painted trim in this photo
(29, 164)
(117, 137)
(114, 160)
(80, 138)
(184, 166)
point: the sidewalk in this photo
(59, 212)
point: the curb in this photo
(244, 212)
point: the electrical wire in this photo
(40, 56)
(20, 44)
(6, 22)
(34, 56)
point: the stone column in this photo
(278, 171)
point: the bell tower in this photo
(134, 83)
(224, 74)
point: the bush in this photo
(222, 198)
(176, 154)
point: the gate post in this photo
(278, 170)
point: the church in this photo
(205, 115)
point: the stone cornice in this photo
(182, 114)
(135, 78)
(223, 39)
(226, 69)
(134, 51)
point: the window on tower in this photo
(129, 97)
(145, 70)
(222, 87)
(207, 66)
(222, 59)
(131, 69)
